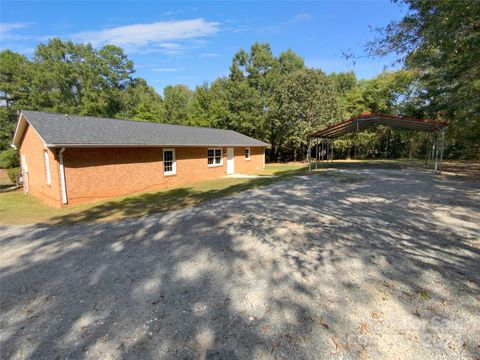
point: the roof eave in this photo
(153, 145)
(17, 135)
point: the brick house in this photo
(69, 159)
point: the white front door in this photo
(230, 161)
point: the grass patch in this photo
(16, 208)
(424, 295)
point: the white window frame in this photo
(48, 176)
(174, 163)
(249, 153)
(221, 157)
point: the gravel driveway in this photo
(362, 263)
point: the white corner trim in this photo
(46, 159)
(62, 176)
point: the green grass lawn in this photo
(17, 208)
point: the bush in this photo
(13, 174)
(9, 159)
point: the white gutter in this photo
(62, 176)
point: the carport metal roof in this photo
(324, 146)
(368, 120)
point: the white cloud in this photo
(173, 12)
(170, 46)
(209, 55)
(243, 29)
(158, 34)
(168, 69)
(301, 18)
(7, 29)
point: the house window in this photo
(215, 157)
(169, 162)
(247, 153)
(47, 167)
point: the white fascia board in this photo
(20, 129)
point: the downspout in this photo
(23, 162)
(62, 176)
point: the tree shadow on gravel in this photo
(167, 200)
(314, 267)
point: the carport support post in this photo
(439, 155)
(332, 151)
(327, 145)
(441, 150)
(329, 150)
(320, 154)
(429, 146)
(436, 152)
(309, 155)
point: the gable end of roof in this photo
(20, 129)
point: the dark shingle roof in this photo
(61, 129)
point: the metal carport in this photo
(322, 139)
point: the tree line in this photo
(275, 98)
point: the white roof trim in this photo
(20, 131)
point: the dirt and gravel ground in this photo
(347, 263)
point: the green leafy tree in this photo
(75, 78)
(15, 77)
(15, 83)
(305, 100)
(141, 102)
(395, 92)
(177, 101)
(209, 106)
(8, 118)
(254, 77)
(62, 76)
(440, 40)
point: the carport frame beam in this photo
(435, 147)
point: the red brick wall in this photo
(244, 166)
(97, 173)
(32, 147)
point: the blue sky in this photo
(193, 42)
